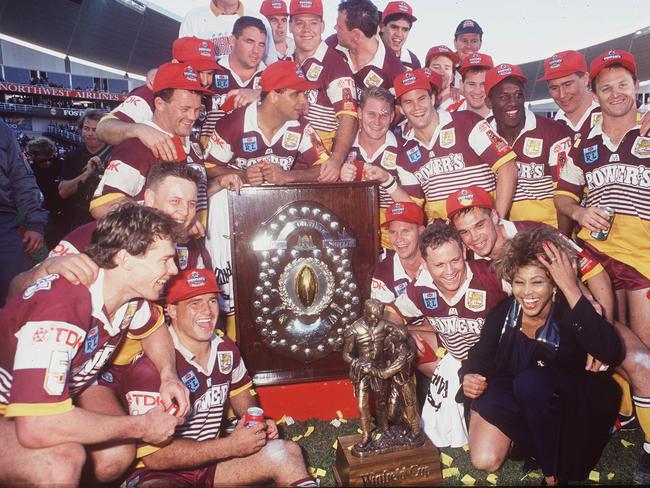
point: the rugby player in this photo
(396, 22)
(612, 164)
(472, 70)
(277, 14)
(57, 336)
(212, 369)
(443, 61)
(333, 105)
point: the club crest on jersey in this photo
(190, 380)
(372, 79)
(414, 154)
(131, 308)
(314, 72)
(44, 283)
(249, 144)
(447, 138)
(389, 160)
(430, 300)
(290, 141)
(401, 288)
(221, 81)
(225, 360)
(590, 154)
(641, 148)
(92, 340)
(596, 118)
(182, 254)
(475, 300)
(533, 147)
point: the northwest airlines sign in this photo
(59, 92)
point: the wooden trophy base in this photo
(414, 467)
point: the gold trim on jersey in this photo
(109, 197)
(37, 409)
(241, 389)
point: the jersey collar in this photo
(96, 290)
(561, 115)
(189, 355)
(529, 124)
(597, 130)
(426, 280)
(251, 125)
(444, 119)
(389, 140)
(224, 62)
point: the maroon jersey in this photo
(336, 93)
(55, 339)
(390, 280)
(138, 386)
(409, 60)
(240, 143)
(458, 322)
(581, 129)
(464, 150)
(224, 81)
(138, 106)
(540, 145)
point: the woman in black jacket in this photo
(527, 374)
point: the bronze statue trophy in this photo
(382, 357)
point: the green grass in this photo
(616, 458)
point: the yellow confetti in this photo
(534, 475)
(312, 471)
(349, 448)
(492, 478)
(339, 414)
(252, 392)
(309, 431)
(360, 431)
(445, 459)
(378, 436)
(467, 480)
(626, 443)
(466, 448)
(336, 444)
(320, 472)
(594, 476)
(296, 438)
(449, 472)
(284, 417)
(440, 352)
(610, 476)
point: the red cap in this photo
(312, 7)
(285, 74)
(625, 58)
(401, 8)
(441, 51)
(408, 212)
(191, 283)
(472, 196)
(499, 73)
(563, 64)
(177, 75)
(274, 7)
(413, 80)
(197, 52)
(476, 60)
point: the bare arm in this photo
(113, 131)
(591, 218)
(100, 211)
(68, 188)
(506, 183)
(330, 169)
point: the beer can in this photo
(173, 408)
(254, 415)
(585, 262)
(601, 235)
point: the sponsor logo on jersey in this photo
(430, 300)
(107, 376)
(614, 158)
(140, 402)
(92, 340)
(314, 72)
(221, 81)
(372, 79)
(290, 141)
(44, 283)
(590, 154)
(447, 138)
(191, 381)
(533, 147)
(400, 288)
(475, 300)
(249, 144)
(225, 360)
(414, 154)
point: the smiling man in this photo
(396, 22)
(472, 70)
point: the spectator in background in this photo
(47, 168)
(81, 172)
(18, 192)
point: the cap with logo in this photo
(468, 26)
(273, 7)
(285, 74)
(398, 8)
(408, 212)
(472, 196)
(198, 53)
(501, 72)
(476, 60)
(563, 64)
(312, 7)
(423, 79)
(180, 76)
(191, 283)
(624, 58)
(441, 51)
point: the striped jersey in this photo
(390, 279)
(138, 106)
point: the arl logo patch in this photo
(191, 381)
(221, 81)
(249, 144)
(92, 340)
(590, 154)
(430, 300)
(414, 154)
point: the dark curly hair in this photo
(437, 233)
(362, 15)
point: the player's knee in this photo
(280, 452)
(110, 465)
(637, 367)
(485, 460)
(62, 465)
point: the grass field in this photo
(617, 460)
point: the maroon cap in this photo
(411, 80)
(408, 212)
(285, 74)
(312, 7)
(180, 76)
(198, 53)
(401, 8)
(476, 60)
(273, 7)
(472, 196)
(499, 73)
(441, 51)
(624, 58)
(191, 283)
(563, 64)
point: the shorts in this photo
(200, 477)
(623, 276)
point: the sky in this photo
(515, 31)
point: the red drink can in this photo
(173, 408)
(360, 165)
(254, 415)
(179, 145)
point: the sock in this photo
(642, 405)
(626, 409)
(304, 482)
